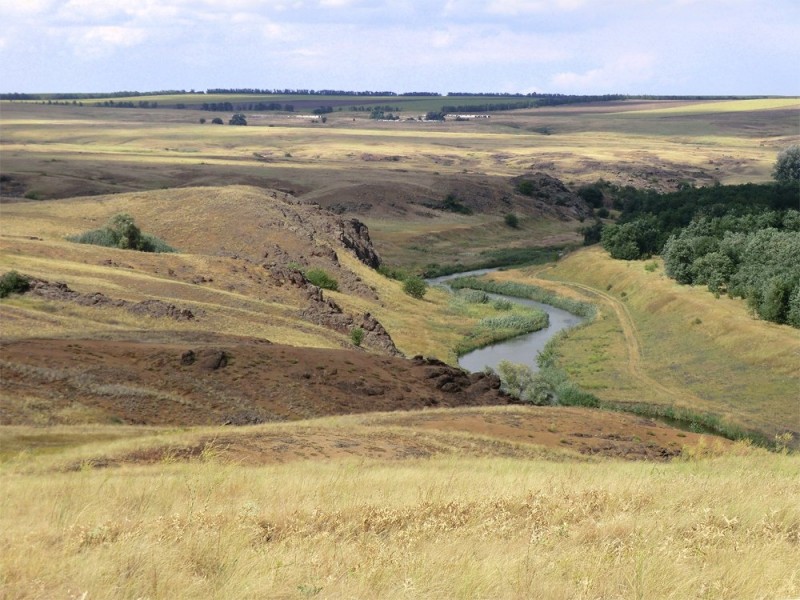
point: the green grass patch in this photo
(321, 278)
(492, 329)
(500, 257)
(524, 290)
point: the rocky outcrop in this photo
(453, 380)
(326, 312)
(552, 192)
(152, 308)
(355, 237)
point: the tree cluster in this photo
(648, 218)
(127, 104)
(755, 257)
(741, 240)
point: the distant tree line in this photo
(93, 95)
(296, 92)
(128, 104)
(534, 101)
(550, 99)
(246, 106)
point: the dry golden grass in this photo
(69, 148)
(199, 222)
(726, 527)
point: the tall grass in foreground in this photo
(727, 527)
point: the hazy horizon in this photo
(667, 47)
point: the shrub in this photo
(452, 204)
(13, 283)
(525, 187)
(321, 278)
(415, 286)
(502, 304)
(396, 273)
(217, 121)
(592, 195)
(356, 336)
(512, 220)
(473, 296)
(122, 232)
(520, 381)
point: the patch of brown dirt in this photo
(214, 380)
(557, 433)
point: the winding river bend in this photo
(521, 349)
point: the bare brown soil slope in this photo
(205, 380)
(243, 381)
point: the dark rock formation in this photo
(152, 308)
(355, 237)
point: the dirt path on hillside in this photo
(633, 344)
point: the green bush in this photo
(787, 166)
(452, 204)
(321, 278)
(502, 304)
(473, 296)
(512, 220)
(525, 187)
(415, 286)
(356, 336)
(396, 273)
(13, 283)
(521, 382)
(122, 232)
(592, 194)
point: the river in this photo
(521, 349)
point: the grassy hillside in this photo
(223, 236)
(657, 342)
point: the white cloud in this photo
(336, 3)
(12, 9)
(98, 42)
(620, 75)
(516, 7)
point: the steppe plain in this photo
(253, 451)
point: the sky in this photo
(664, 47)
